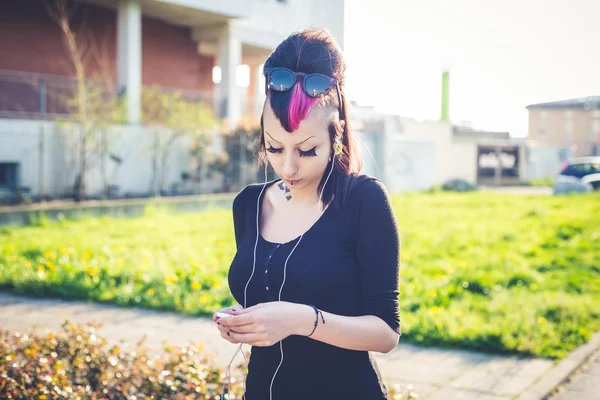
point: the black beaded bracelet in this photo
(317, 311)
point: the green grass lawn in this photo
(499, 273)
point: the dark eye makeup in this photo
(309, 153)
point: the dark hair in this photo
(316, 51)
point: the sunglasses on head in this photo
(283, 79)
(314, 85)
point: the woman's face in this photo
(301, 157)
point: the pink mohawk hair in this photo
(300, 106)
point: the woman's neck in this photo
(304, 198)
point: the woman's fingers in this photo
(249, 338)
(226, 334)
(227, 310)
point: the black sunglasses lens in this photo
(317, 85)
(282, 80)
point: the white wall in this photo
(411, 165)
(543, 161)
(20, 142)
(454, 158)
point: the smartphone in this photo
(223, 315)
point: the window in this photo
(8, 175)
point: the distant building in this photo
(573, 124)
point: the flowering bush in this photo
(76, 363)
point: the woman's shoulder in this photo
(248, 194)
(366, 187)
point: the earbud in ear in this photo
(338, 146)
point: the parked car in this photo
(581, 166)
(581, 174)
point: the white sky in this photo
(502, 56)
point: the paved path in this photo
(584, 384)
(435, 374)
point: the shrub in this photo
(76, 363)
(458, 185)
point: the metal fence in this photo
(43, 96)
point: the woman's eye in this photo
(309, 153)
(272, 149)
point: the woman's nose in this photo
(289, 166)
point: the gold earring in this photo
(338, 148)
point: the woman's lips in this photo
(292, 182)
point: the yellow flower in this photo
(431, 294)
(150, 292)
(171, 279)
(27, 263)
(64, 251)
(542, 320)
(50, 265)
(196, 285)
(435, 309)
(49, 255)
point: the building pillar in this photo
(229, 56)
(129, 56)
(256, 91)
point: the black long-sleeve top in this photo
(347, 263)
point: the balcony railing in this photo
(43, 96)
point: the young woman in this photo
(316, 270)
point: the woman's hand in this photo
(268, 323)
(222, 329)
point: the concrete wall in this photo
(34, 145)
(411, 165)
(543, 161)
(454, 158)
(53, 171)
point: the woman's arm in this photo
(267, 323)
(378, 258)
(367, 333)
